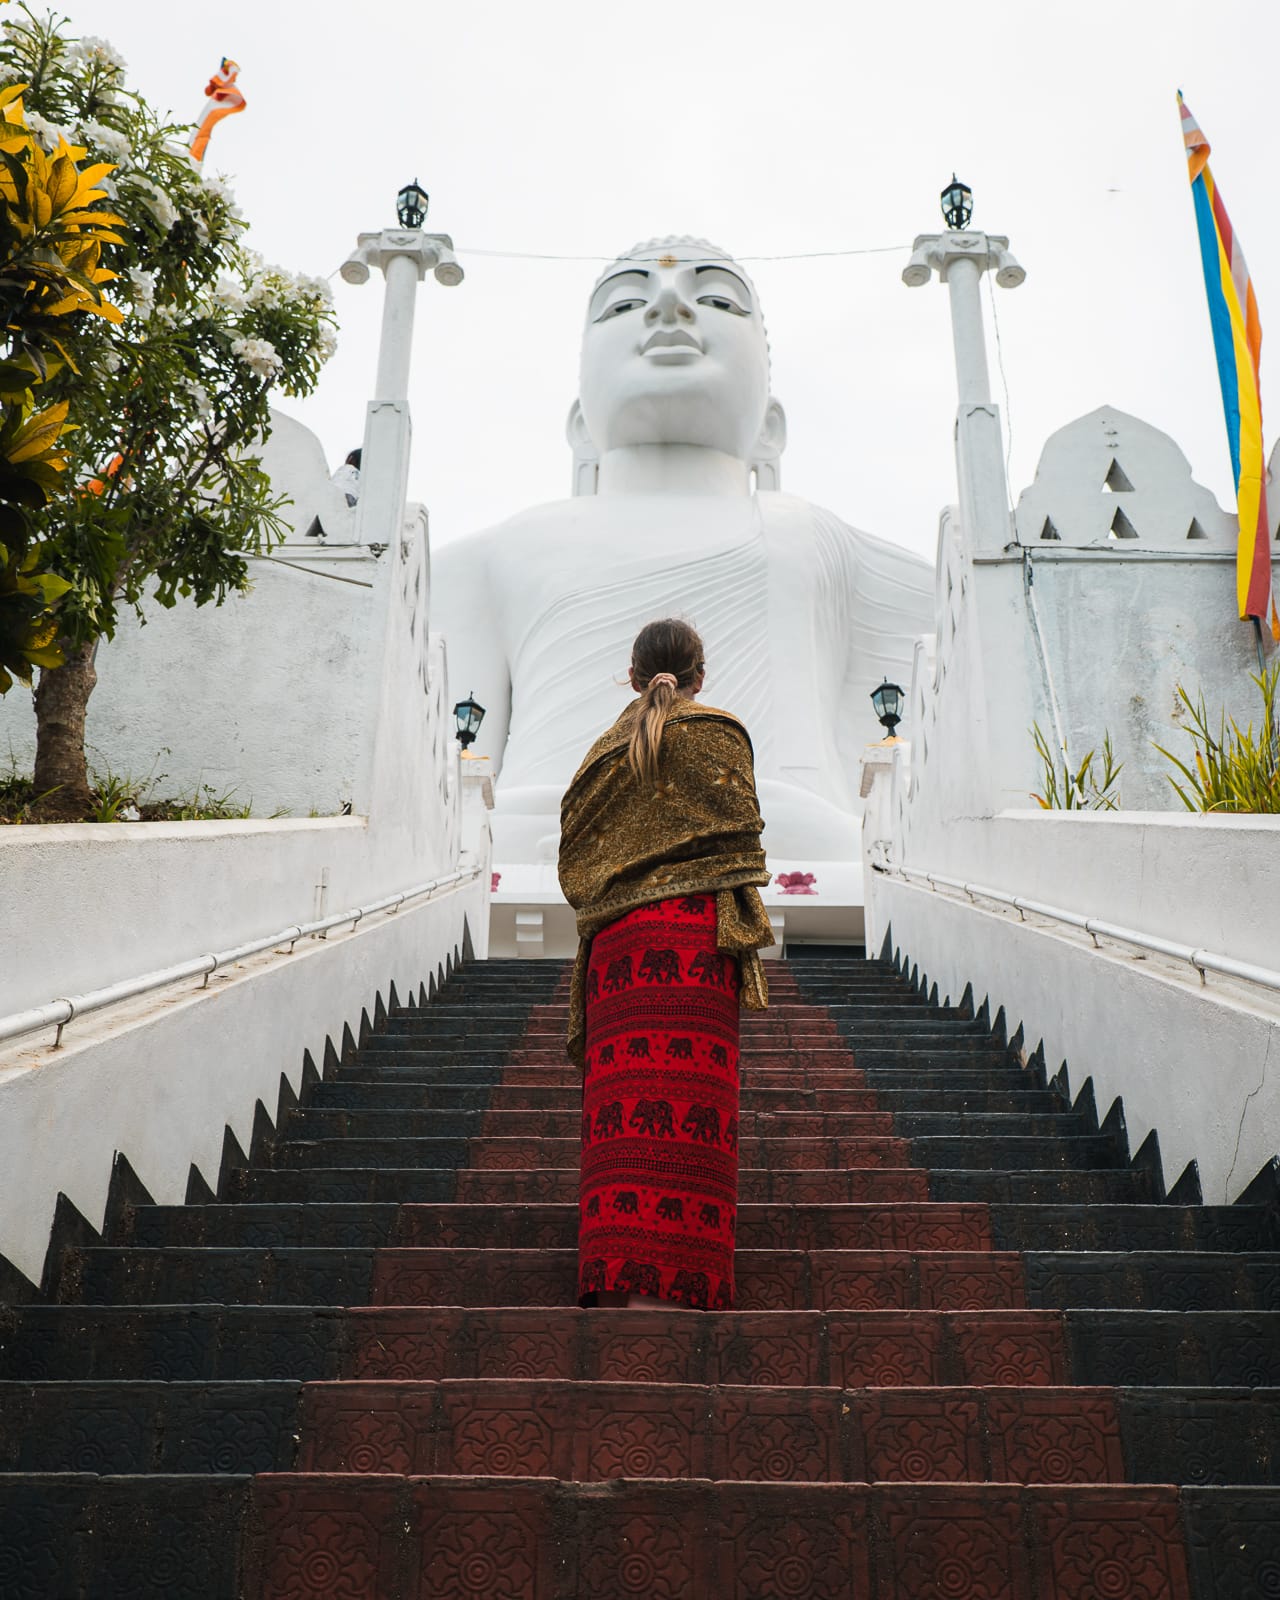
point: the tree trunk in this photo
(62, 775)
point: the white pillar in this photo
(960, 259)
(405, 256)
(395, 347)
(964, 279)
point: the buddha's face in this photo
(674, 353)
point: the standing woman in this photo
(660, 857)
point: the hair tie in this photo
(663, 677)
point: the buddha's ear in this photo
(586, 458)
(770, 443)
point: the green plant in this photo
(1234, 770)
(1084, 789)
(19, 798)
(52, 231)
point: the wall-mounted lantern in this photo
(887, 700)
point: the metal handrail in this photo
(1202, 960)
(62, 1011)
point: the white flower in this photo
(111, 362)
(48, 133)
(314, 289)
(108, 140)
(264, 291)
(166, 316)
(91, 51)
(259, 355)
(142, 291)
(227, 292)
(220, 191)
(157, 202)
(326, 342)
(199, 396)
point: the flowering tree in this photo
(52, 229)
(170, 403)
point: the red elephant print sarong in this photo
(659, 1190)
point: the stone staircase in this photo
(976, 1356)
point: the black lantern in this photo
(957, 203)
(470, 714)
(887, 700)
(411, 205)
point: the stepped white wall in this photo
(1112, 583)
(84, 907)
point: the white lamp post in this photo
(405, 255)
(960, 257)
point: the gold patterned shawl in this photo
(624, 845)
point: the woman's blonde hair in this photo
(669, 646)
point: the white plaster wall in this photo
(161, 1087)
(268, 696)
(1201, 1066)
(260, 697)
(85, 906)
(128, 898)
(1084, 631)
(1212, 882)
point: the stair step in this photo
(521, 1427)
(506, 1153)
(539, 1538)
(566, 1122)
(766, 1279)
(428, 1185)
(905, 1226)
(109, 1426)
(1100, 1186)
(853, 1348)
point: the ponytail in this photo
(646, 737)
(666, 657)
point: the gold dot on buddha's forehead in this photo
(668, 261)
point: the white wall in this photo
(161, 1080)
(1199, 1065)
(265, 697)
(1084, 632)
(82, 907)
(1112, 583)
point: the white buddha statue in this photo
(676, 511)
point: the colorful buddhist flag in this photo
(225, 99)
(1237, 342)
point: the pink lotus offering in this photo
(796, 883)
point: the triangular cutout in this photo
(1116, 481)
(1121, 527)
(1195, 531)
(1049, 531)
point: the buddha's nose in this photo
(669, 306)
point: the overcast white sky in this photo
(574, 128)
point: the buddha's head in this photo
(675, 352)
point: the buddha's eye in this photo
(722, 302)
(618, 308)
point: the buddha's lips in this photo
(669, 342)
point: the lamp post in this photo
(469, 714)
(404, 255)
(960, 257)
